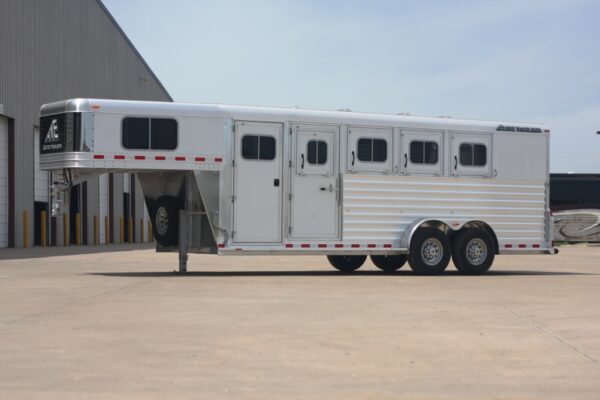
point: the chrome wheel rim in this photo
(476, 251)
(432, 251)
(162, 220)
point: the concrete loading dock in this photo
(116, 325)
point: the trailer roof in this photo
(153, 108)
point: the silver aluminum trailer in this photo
(233, 180)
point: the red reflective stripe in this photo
(322, 245)
(140, 157)
(289, 245)
(179, 158)
(160, 158)
(546, 130)
(371, 245)
(355, 245)
(305, 245)
(536, 246)
(522, 246)
(221, 245)
(119, 157)
(387, 246)
(218, 159)
(339, 246)
(200, 158)
(98, 157)
(508, 246)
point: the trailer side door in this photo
(314, 182)
(257, 206)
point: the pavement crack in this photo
(72, 303)
(553, 335)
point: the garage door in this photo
(3, 182)
(40, 185)
(103, 201)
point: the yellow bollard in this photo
(121, 230)
(65, 229)
(25, 229)
(96, 231)
(106, 230)
(43, 228)
(141, 230)
(78, 229)
(130, 230)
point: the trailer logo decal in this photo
(52, 140)
(507, 128)
(52, 134)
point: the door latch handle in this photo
(353, 158)
(329, 188)
(405, 160)
(276, 182)
(455, 162)
(302, 163)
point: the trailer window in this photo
(135, 133)
(149, 133)
(473, 154)
(163, 134)
(255, 147)
(317, 152)
(372, 150)
(423, 152)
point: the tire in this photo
(165, 220)
(473, 251)
(389, 263)
(430, 251)
(347, 263)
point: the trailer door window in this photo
(256, 147)
(473, 154)
(149, 133)
(423, 152)
(372, 150)
(317, 152)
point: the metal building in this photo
(52, 50)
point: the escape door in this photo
(314, 182)
(257, 202)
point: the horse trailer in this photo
(234, 180)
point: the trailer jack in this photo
(183, 241)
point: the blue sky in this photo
(536, 61)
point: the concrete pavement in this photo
(119, 324)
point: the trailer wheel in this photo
(389, 263)
(165, 220)
(473, 251)
(429, 251)
(347, 263)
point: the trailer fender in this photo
(449, 228)
(416, 224)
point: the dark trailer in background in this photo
(575, 203)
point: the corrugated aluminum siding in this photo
(3, 182)
(56, 49)
(381, 207)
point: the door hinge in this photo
(290, 130)
(290, 163)
(233, 163)
(233, 127)
(232, 199)
(290, 197)
(232, 234)
(289, 230)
